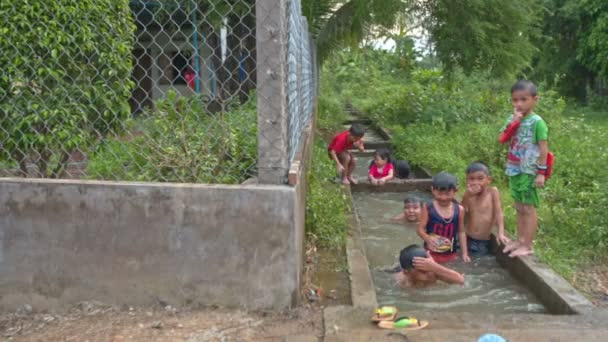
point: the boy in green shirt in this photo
(526, 163)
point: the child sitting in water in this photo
(442, 221)
(381, 170)
(418, 269)
(483, 210)
(411, 210)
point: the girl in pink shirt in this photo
(381, 169)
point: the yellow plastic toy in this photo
(385, 313)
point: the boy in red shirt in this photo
(338, 152)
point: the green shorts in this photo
(523, 189)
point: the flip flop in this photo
(385, 313)
(404, 323)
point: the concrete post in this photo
(271, 47)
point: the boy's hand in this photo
(431, 243)
(517, 115)
(340, 168)
(540, 181)
(427, 264)
(474, 189)
(466, 258)
(381, 181)
(502, 238)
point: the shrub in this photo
(65, 77)
(181, 142)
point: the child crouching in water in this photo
(411, 210)
(381, 170)
(338, 152)
(418, 269)
(483, 210)
(443, 219)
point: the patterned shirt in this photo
(524, 149)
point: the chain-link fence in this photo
(167, 91)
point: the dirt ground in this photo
(91, 321)
(94, 321)
(593, 282)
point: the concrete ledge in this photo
(358, 121)
(363, 292)
(382, 132)
(396, 185)
(374, 145)
(556, 294)
(344, 323)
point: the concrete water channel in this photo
(522, 299)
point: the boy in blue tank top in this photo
(442, 221)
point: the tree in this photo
(65, 78)
(573, 47)
(493, 35)
(335, 24)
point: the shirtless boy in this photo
(483, 210)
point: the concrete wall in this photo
(133, 243)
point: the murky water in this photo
(488, 287)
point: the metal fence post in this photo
(271, 47)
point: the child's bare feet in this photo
(352, 180)
(511, 245)
(345, 181)
(522, 250)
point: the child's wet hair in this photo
(411, 199)
(407, 255)
(357, 130)
(444, 181)
(477, 167)
(383, 154)
(525, 85)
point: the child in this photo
(381, 169)
(411, 210)
(483, 209)
(338, 152)
(402, 169)
(418, 269)
(443, 217)
(526, 163)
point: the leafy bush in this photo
(65, 77)
(181, 142)
(326, 203)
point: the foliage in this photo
(573, 50)
(338, 24)
(445, 123)
(181, 142)
(490, 35)
(65, 77)
(593, 48)
(326, 203)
